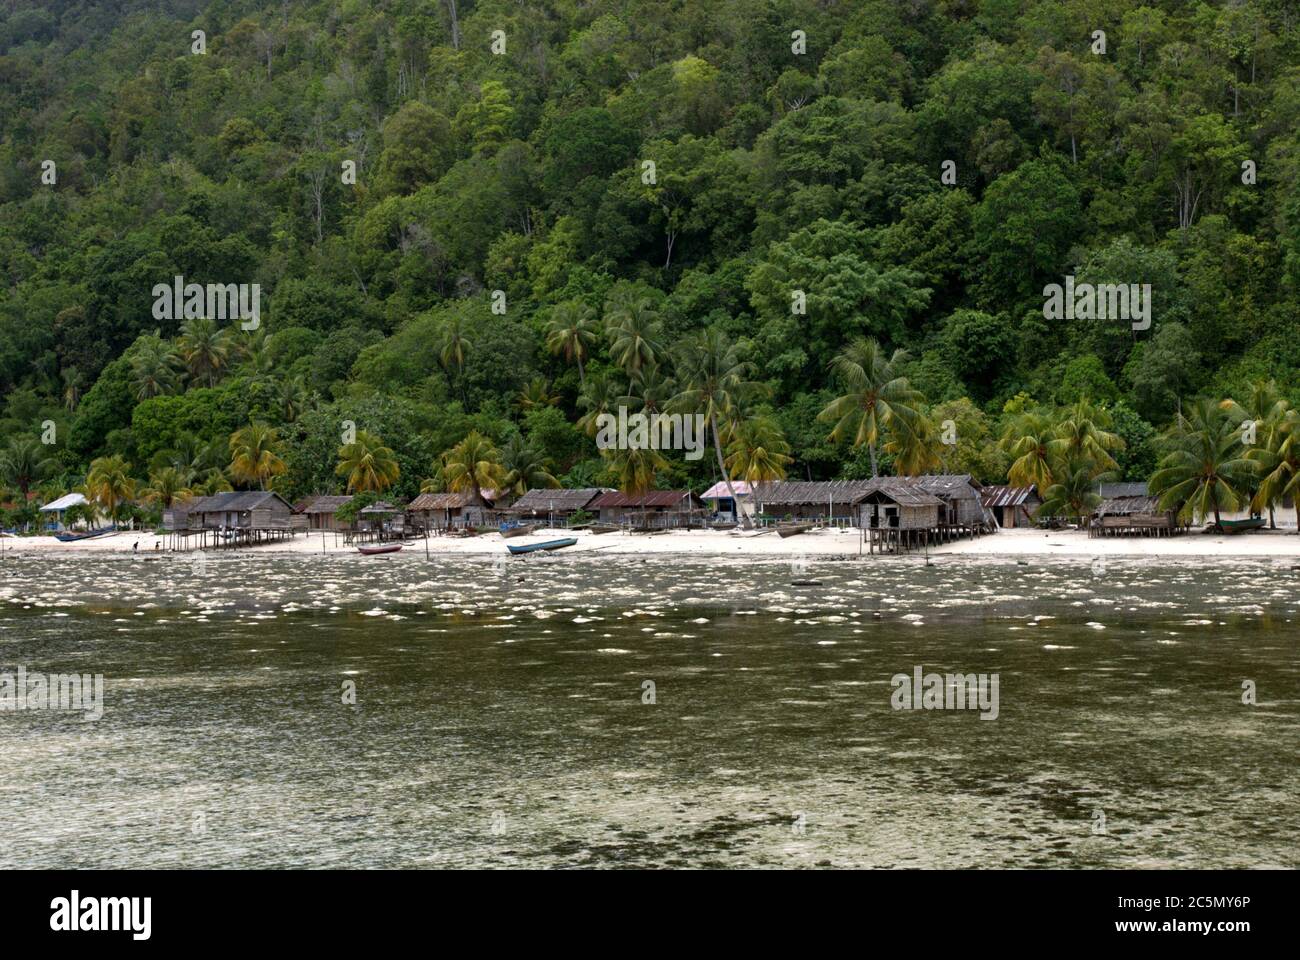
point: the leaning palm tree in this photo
(166, 486)
(255, 455)
(205, 348)
(526, 467)
(473, 465)
(571, 331)
(24, 463)
(1205, 470)
(713, 379)
(109, 484)
(368, 465)
(878, 400)
(757, 453)
(1026, 438)
(1279, 466)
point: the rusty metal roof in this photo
(544, 500)
(324, 503)
(655, 498)
(1007, 496)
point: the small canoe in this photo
(599, 528)
(379, 548)
(515, 530)
(794, 528)
(544, 545)
(74, 537)
(1237, 526)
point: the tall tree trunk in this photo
(875, 468)
(722, 468)
(582, 376)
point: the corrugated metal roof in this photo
(903, 493)
(655, 498)
(945, 484)
(442, 501)
(65, 501)
(719, 490)
(321, 503)
(1111, 490)
(381, 506)
(1123, 506)
(557, 499)
(1007, 496)
(823, 491)
(235, 501)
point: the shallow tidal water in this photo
(499, 717)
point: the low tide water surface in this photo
(503, 713)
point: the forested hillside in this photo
(734, 207)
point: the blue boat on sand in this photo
(544, 545)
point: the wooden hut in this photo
(234, 518)
(321, 511)
(658, 508)
(960, 492)
(1127, 509)
(555, 506)
(447, 511)
(1012, 507)
(53, 514)
(827, 501)
(898, 515)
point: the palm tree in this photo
(599, 396)
(153, 365)
(571, 331)
(526, 467)
(24, 463)
(166, 486)
(634, 332)
(205, 349)
(757, 452)
(1082, 438)
(1026, 437)
(913, 446)
(1264, 410)
(1071, 494)
(292, 397)
(473, 465)
(879, 399)
(109, 484)
(650, 390)
(73, 381)
(213, 481)
(537, 394)
(635, 470)
(1279, 466)
(1204, 471)
(255, 455)
(713, 379)
(368, 464)
(453, 348)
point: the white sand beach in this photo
(1280, 544)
